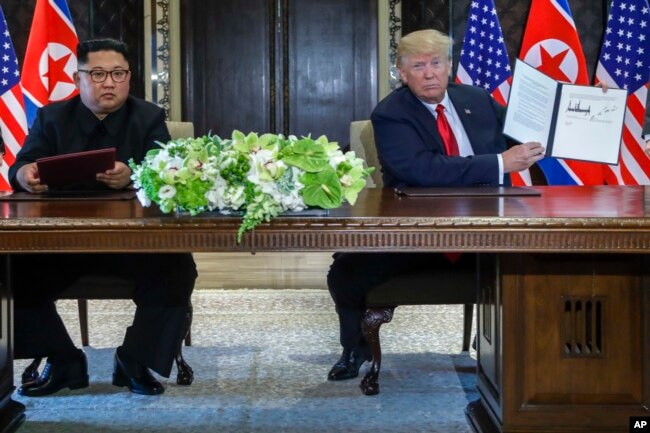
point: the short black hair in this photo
(105, 44)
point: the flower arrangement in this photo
(261, 175)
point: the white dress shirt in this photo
(464, 146)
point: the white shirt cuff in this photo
(500, 159)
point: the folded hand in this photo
(117, 178)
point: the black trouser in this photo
(353, 275)
(164, 284)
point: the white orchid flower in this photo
(335, 158)
(167, 192)
(347, 180)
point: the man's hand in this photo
(522, 156)
(117, 178)
(29, 179)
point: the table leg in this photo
(562, 343)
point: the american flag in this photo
(13, 122)
(625, 63)
(484, 60)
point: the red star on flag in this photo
(551, 64)
(56, 72)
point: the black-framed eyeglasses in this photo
(99, 75)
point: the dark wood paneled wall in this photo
(283, 66)
(228, 59)
(120, 19)
(331, 64)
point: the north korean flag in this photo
(551, 44)
(50, 59)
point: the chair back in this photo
(180, 129)
(362, 142)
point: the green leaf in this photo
(267, 141)
(263, 208)
(307, 155)
(322, 189)
(238, 136)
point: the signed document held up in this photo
(571, 121)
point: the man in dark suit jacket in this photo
(102, 116)
(412, 152)
(428, 133)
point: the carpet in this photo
(260, 359)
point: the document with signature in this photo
(571, 121)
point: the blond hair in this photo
(430, 42)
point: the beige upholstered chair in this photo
(180, 129)
(455, 285)
(111, 287)
(362, 142)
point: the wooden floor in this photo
(263, 270)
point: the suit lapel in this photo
(426, 120)
(465, 109)
(469, 116)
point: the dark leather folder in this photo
(103, 195)
(480, 191)
(74, 168)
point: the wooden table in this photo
(562, 337)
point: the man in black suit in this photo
(428, 133)
(103, 115)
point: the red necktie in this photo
(447, 135)
(451, 146)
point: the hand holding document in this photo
(571, 121)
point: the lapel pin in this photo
(468, 111)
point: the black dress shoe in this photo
(56, 376)
(347, 367)
(135, 376)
